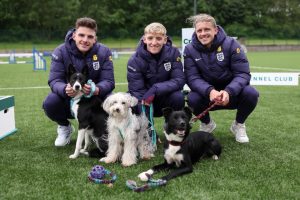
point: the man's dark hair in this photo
(86, 22)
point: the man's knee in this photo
(50, 101)
(53, 102)
(251, 95)
(195, 100)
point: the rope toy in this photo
(98, 173)
(93, 88)
(151, 183)
(212, 104)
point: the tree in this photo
(50, 20)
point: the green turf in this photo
(266, 168)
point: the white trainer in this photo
(210, 127)
(63, 135)
(239, 131)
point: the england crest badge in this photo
(220, 56)
(167, 66)
(96, 65)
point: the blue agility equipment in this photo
(12, 57)
(39, 62)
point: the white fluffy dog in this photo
(128, 137)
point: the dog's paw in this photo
(215, 157)
(146, 157)
(106, 160)
(73, 156)
(145, 176)
(85, 152)
(159, 141)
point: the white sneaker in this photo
(210, 127)
(239, 131)
(63, 135)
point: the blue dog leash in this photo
(151, 121)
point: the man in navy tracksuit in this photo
(216, 68)
(155, 72)
(80, 49)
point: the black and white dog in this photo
(90, 115)
(182, 148)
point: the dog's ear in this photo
(133, 101)
(188, 112)
(71, 70)
(167, 111)
(106, 104)
(85, 71)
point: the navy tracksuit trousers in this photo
(58, 109)
(245, 103)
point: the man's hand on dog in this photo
(69, 91)
(87, 89)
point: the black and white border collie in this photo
(90, 115)
(182, 148)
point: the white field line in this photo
(274, 68)
(40, 87)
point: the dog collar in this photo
(176, 143)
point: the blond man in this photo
(217, 69)
(155, 72)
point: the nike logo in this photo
(197, 59)
(129, 67)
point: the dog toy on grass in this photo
(151, 183)
(98, 173)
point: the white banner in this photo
(186, 37)
(266, 78)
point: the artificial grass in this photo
(266, 168)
